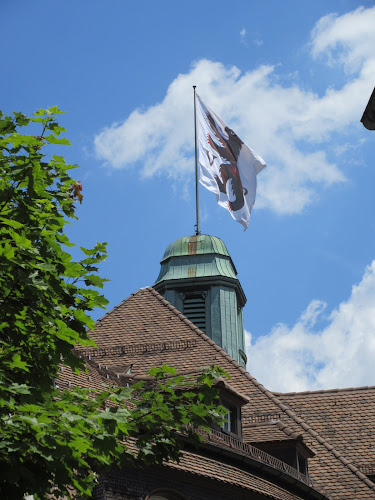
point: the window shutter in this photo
(195, 310)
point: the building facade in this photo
(280, 446)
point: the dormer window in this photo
(231, 419)
(228, 419)
(301, 461)
(231, 401)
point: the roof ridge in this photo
(323, 391)
(288, 431)
(307, 428)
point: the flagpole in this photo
(197, 226)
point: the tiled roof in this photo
(344, 417)
(94, 378)
(329, 469)
(207, 467)
(145, 330)
(218, 469)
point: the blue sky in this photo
(292, 79)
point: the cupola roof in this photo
(196, 245)
(199, 256)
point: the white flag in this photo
(228, 167)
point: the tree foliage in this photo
(53, 440)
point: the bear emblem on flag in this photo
(228, 167)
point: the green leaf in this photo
(7, 251)
(54, 140)
(62, 238)
(11, 223)
(45, 266)
(80, 444)
(92, 279)
(18, 363)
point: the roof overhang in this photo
(203, 282)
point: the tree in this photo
(52, 440)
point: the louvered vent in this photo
(195, 310)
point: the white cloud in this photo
(258, 42)
(290, 127)
(243, 36)
(303, 358)
(347, 40)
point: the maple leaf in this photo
(76, 191)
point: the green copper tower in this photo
(199, 278)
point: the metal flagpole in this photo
(197, 226)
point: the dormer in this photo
(232, 401)
(293, 452)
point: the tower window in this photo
(194, 308)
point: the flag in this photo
(228, 167)
(368, 117)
